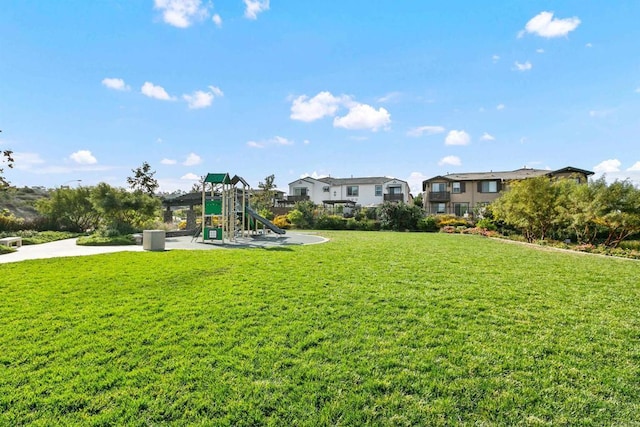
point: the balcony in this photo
(294, 199)
(394, 197)
(439, 196)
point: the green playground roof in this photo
(218, 178)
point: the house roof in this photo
(358, 181)
(218, 178)
(521, 173)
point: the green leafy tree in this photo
(70, 208)
(122, 210)
(143, 180)
(530, 206)
(577, 208)
(303, 215)
(7, 158)
(618, 211)
(399, 216)
(264, 198)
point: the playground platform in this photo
(68, 247)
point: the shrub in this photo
(452, 220)
(281, 221)
(330, 222)
(9, 222)
(428, 224)
(98, 240)
(487, 224)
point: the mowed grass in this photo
(370, 328)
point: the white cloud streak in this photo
(425, 130)
(545, 25)
(450, 160)
(457, 137)
(610, 165)
(192, 160)
(254, 7)
(156, 92)
(322, 105)
(181, 13)
(523, 67)
(83, 157)
(363, 116)
(115, 84)
(487, 137)
(202, 99)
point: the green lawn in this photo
(370, 328)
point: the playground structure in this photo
(226, 211)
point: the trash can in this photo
(153, 240)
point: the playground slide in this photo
(265, 221)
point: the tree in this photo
(618, 211)
(399, 216)
(264, 199)
(7, 158)
(530, 206)
(143, 180)
(70, 208)
(121, 210)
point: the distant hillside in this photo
(21, 201)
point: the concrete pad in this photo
(68, 247)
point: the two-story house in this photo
(368, 191)
(460, 193)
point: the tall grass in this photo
(370, 328)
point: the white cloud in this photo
(181, 13)
(217, 20)
(83, 157)
(637, 89)
(539, 50)
(450, 160)
(635, 167)
(457, 137)
(254, 7)
(588, 45)
(391, 96)
(191, 177)
(495, 58)
(415, 182)
(306, 142)
(487, 137)
(599, 114)
(115, 84)
(322, 105)
(429, 130)
(314, 175)
(545, 25)
(192, 160)
(201, 99)
(26, 161)
(610, 165)
(168, 161)
(500, 107)
(281, 141)
(523, 67)
(363, 116)
(153, 91)
(255, 144)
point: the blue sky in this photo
(89, 90)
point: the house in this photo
(460, 193)
(368, 191)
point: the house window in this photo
(352, 190)
(378, 190)
(300, 191)
(488, 187)
(325, 189)
(438, 187)
(439, 208)
(396, 189)
(457, 187)
(460, 209)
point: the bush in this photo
(330, 222)
(99, 240)
(428, 224)
(451, 220)
(487, 224)
(9, 222)
(281, 221)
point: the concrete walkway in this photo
(68, 247)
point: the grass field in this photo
(370, 328)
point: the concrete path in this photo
(68, 247)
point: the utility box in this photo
(153, 240)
